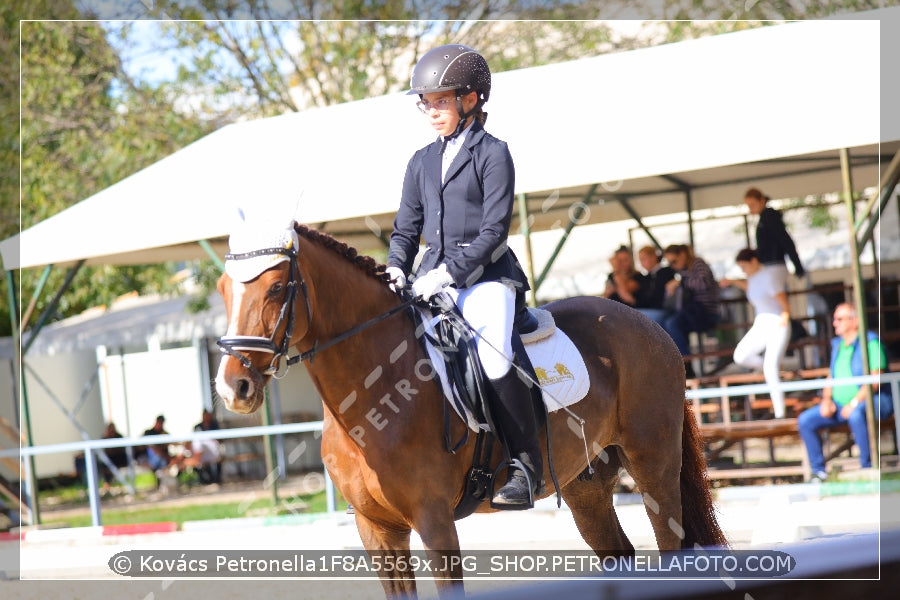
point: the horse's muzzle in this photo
(240, 389)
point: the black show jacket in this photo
(464, 222)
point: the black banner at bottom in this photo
(543, 564)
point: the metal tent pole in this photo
(212, 254)
(525, 230)
(54, 303)
(26, 316)
(26, 411)
(859, 295)
(30, 483)
(574, 220)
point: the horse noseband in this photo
(234, 345)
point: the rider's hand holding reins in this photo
(432, 282)
(397, 277)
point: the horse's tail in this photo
(698, 514)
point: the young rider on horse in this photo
(458, 195)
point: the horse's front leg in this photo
(389, 548)
(438, 533)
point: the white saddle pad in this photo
(559, 366)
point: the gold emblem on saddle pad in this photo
(557, 374)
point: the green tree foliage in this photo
(332, 52)
(85, 126)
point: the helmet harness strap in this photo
(463, 117)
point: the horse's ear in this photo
(295, 212)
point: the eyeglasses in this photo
(836, 318)
(440, 104)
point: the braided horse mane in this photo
(363, 262)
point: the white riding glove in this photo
(432, 282)
(398, 278)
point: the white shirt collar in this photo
(451, 149)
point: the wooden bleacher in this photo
(729, 421)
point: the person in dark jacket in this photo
(458, 196)
(773, 242)
(651, 296)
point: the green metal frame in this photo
(574, 220)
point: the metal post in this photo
(202, 349)
(269, 449)
(689, 202)
(30, 483)
(330, 498)
(11, 293)
(132, 477)
(275, 403)
(90, 468)
(895, 397)
(859, 296)
(525, 230)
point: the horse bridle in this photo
(233, 345)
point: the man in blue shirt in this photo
(846, 403)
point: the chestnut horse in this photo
(383, 438)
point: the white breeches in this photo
(763, 348)
(489, 308)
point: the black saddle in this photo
(470, 390)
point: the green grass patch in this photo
(76, 494)
(262, 507)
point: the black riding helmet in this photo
(453, 67)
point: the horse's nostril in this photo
(243, 388)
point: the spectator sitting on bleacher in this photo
(846, 403)
(693, 298)
(208, 452)
(763, 346)
(624, 281)
(117, 456)
(157, 454)
(651, 296)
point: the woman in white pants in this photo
(763, 346)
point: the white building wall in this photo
(66, 377)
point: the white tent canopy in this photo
(770, 105)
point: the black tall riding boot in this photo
(513, 413)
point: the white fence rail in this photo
(89, 447)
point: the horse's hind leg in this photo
(591, 503)
(382, 541)
(656, 469)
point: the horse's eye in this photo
(276, 288)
